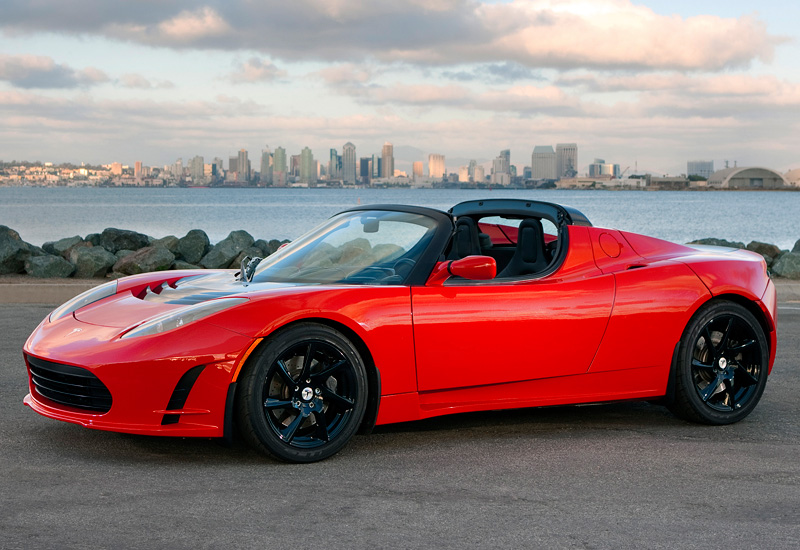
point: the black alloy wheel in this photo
(722, 366)
(304, 395)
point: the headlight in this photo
(183, 316)
(84, 299)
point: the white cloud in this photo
(34, 71)
(256, 70)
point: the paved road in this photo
(612, 476)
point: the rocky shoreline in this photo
(119, 252)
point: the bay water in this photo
(43, 214)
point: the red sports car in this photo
(389, 313)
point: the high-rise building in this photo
(308, 168)
(177, 169)
(197, 169)
(463, 174)
(479, 174)
(279, 160)
(543, 163)
(279, 167)
(506, 155)
(137, 169)
(334, 165)
(436, 167)
(377, 166)
(266, 166)
(365, 169)
(471, 169)
(243, 166)
(418, 171)
(218, 168)
(387, 157)
(702, 168)
(349, 163)
(566, 160)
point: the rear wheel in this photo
(304, 395)
(722, 365)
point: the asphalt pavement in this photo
(626, 475)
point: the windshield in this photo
(364, 247)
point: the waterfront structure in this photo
(479, 174)
(266, 166)
(349, 163)
(543, 163)
(702, 168)
(116, 168)
(387, 160)
(279, 167)
(365, 169)
(600, 168)
(219, 169)
(501, 168)
(436, 167)
(377, 166)
(418, 171)
(792, 177)
(308, 169)
(243, 166)
(334, 165)
(566, 160)
(197, 169)
(746, 178)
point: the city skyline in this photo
(649, 84)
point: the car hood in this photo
(129, 308)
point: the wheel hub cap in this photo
(307, 394)
(723, 363)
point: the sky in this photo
(648, 85)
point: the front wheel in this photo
(722, 365)
(303, 395)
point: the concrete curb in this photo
(26, 290)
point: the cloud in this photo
(32, 71)
(561, 34)
(134, 80)
(256, 70)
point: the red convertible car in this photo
(389, 313)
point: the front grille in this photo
(68, 385)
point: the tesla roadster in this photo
(389, 313)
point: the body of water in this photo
(42, 214)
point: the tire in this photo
(303, 395)
(722, 365)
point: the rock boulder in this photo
(113, 239)
(193, 246)
(13, 251)
(144, 260)
(787, 265)
(765, 249)
(48, 267)
(225, 251)
(91, 262)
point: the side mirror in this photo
(476, 268)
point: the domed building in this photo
(792, 177)
(746, 178)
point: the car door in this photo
(474, 334)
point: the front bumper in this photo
(147, 377)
